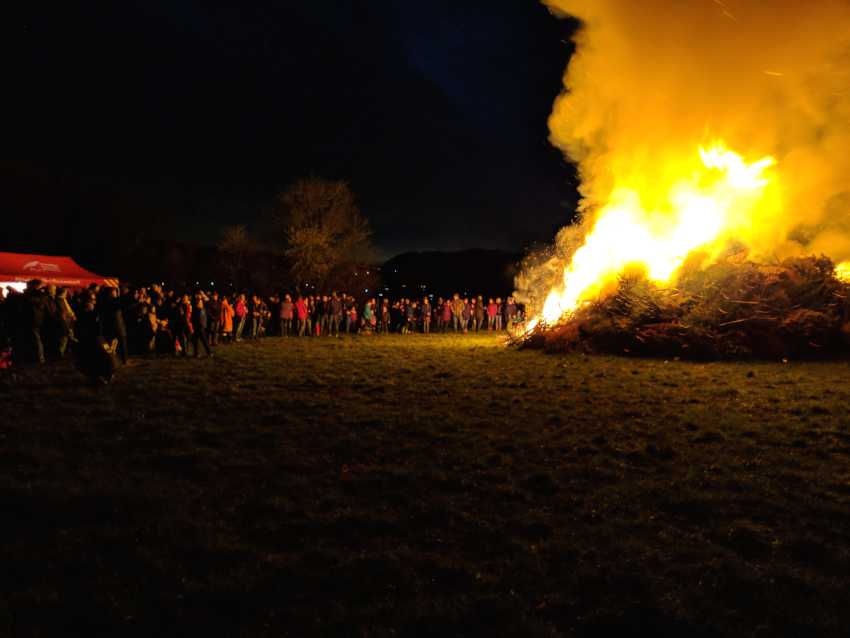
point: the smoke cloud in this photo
(650, 81)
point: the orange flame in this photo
(718, 199)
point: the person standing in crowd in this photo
(510, 313)
(336, 313)
(240, 312)
(213, 312)
(425, 311)
(368, 315)
(457, 308)
(301, 311)
(308, 319)
(272, 320)
(255, 312)
(149, 325)
(384, 317)
(467, 313)
(410, 317)
(28, 317)
(50, 328)
(346, 318)
(446, 314)
(183, 325)
(312, 316)
(199, 326)
(478, 313)
(351, 316)
(67, 318)
(112, 320)
(226, 320)
(438, 314)
(324, 316)
(316, 315)
(499, 312)
(492, 310)
(286, 309)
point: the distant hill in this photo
(473, 272)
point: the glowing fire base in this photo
(733, 309)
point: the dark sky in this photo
(194, 114)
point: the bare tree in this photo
(235, 246)
(321, 229)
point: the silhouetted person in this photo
(199, 327)
(112, 324)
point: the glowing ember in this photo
(842, 271)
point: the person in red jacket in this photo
(492, 311)
(301, 311)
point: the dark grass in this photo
(421, 486)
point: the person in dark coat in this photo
(336, 313)
(199, 326)
(95, 357)
(213, 310)
(29, 347)
(478, 313)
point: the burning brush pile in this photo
(731, 309)
(711, 140)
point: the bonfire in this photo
(714, 219)
(732, 309)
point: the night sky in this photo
(185, 116)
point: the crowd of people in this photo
(44, 322)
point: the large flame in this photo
(648, 88)
(722, 196)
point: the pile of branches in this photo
(730, 310)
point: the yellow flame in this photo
(842, 271)
(657, 228)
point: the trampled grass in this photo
(439, 486)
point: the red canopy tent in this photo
(16, 269)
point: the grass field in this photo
(416, 486)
